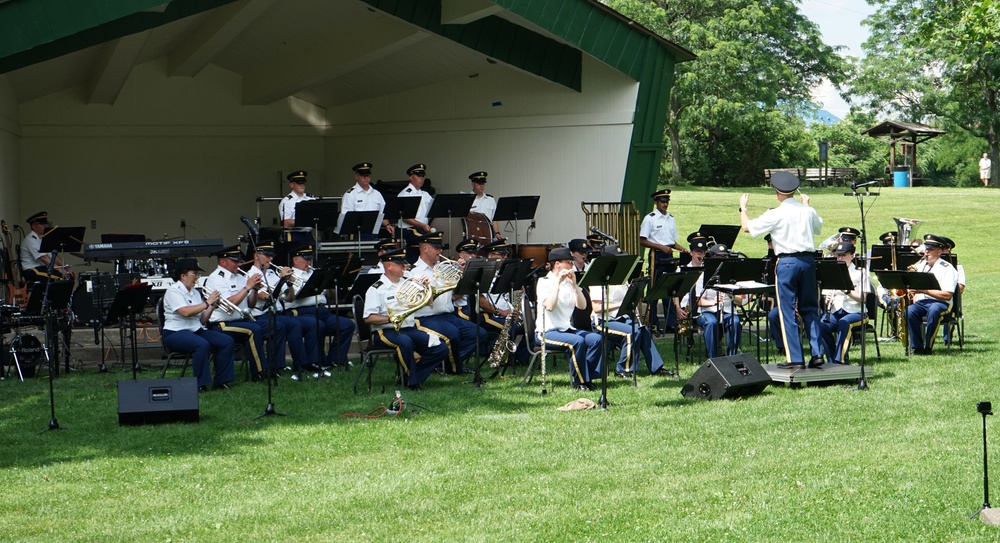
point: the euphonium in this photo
(504, 346)
(225, 305)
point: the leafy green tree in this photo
(931, 59)
(755, 58)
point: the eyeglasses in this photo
(419, 174)
(663, 200)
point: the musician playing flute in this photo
(379, 299)
(558, 295)
(241, 292)
(185, 314)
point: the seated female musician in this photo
(407, 339)
(620, 329)
(185, 313)
(842, 309)
(558, 295)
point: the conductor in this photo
(792, 226)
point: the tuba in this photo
(905, 228)
(414, 295)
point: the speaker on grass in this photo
(727, 377)
(152, 401)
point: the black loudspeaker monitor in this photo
(727, 377)
(152, 401)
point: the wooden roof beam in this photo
(214, 35)
(114, 66)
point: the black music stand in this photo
(397, 209)
(511, 275)
(516, 208)
(451, 206)
(629, 306)
(314, 287)
(721, 233)
(362, 283)
(907, 280)
(833, 275)
(127, 303)
(53, 297)
(316, 214)
(62, 239)
(358, 224)
(730, 270)
(605, 271)
(671, 285)
(476, 279)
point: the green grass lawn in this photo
(899, 462)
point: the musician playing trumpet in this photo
(185, 314)
(300, 332)
(241, 292)
(843, 310)
(380, 298)
(329, 323)
(930, 304)
(558, 294)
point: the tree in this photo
(756, 58)
(931, 59)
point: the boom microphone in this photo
(603, 235)
(856, 185)
(250, 225)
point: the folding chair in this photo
(369, 354)
(171, 355)
(534, 346)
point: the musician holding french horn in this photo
(439, 316)
(930, 304)
(185, 314)
(381, 300)
(237, 294)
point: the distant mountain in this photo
(821, 116)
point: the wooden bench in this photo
(817, 177)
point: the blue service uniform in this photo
(927, 307)
(329, 323)
(620, 333)
(842, 316)
(556, 330)
(661, 228)
(253, 332)
(792, 226)
(187, 335)
(381, 297)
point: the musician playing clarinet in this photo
(185, 313)
(558, 295)
(713, 307)
(843, 309)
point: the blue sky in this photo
(840, 23)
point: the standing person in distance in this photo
(658, 233)
(363, 197)
(985, 166)
(792, 226)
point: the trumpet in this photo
(263, 285)
(225, 305)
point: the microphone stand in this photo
(862, 382)
(984, 408)
(272, 346)
(53, 423)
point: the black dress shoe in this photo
(791, 366)
(815, 361)
(665, 372)
(583, 388)
(223, 386)
(414, 387)
(623, 374)
(203, 388)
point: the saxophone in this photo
(504, 346)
